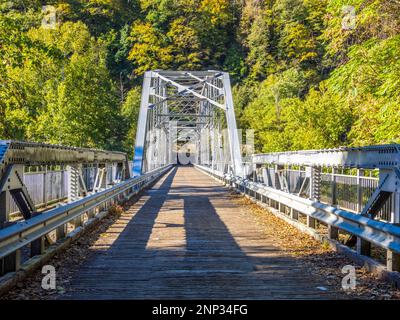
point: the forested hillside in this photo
(302, 78)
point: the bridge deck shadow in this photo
(185, 238)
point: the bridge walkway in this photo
(186, 238)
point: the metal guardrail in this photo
(18, 157)
(23, 233)
(382, 234)
(349, 191)
(50, 186)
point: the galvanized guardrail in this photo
(381, 234)
(34, 230)
(348, 190)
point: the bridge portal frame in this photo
(197, 97)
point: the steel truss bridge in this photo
(188, 118)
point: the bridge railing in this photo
(351, 193)
(48, 185)
(45, 187)
(345, 189)
(81, 182)
(63, 222)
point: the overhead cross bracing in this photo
(187, 116)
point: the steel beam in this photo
(371, 157)
(234, 142)
(142, 124)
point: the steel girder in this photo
(370, 157)
(185, 112)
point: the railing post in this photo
(392, 261)
(10, 263)
(294, 214)
(311, 222)
(363, 247)
(78, 221)
(38, 246)
(333, 232)
(333, 187)
(279, 177)
(44, 190)
(61, 232)
(315, 191)
(91, 213)
(360, 174)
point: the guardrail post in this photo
(78, 221)
(91, 213)
(38, 246)
(333, 232)
(61, 232)
(10, 263)
(392, 261)
(311, 222)
(294, 214)
(363, 247)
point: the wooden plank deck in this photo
(185, 238)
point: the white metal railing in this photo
(345, 191)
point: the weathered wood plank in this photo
(185, 238)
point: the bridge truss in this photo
(84, 205)
(187, 117)
(16, 156)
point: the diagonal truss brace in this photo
(12, 184)
(183, 89)
(389, 183)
